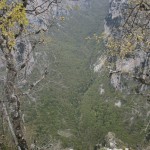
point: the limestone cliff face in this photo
(131, 74)
(114, 17)
(134, 69)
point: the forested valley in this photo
(75, 75)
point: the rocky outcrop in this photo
(111, 143)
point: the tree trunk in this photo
(14, 103)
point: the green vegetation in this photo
(71, 102)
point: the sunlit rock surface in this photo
(135, 67)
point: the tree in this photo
(18, 28)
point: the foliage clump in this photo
(13, 18)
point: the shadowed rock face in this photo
(21, 49)
(113, 22)
(114, 17)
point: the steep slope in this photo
(77, 106)
(56, 113)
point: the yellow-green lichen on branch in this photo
(12, 20)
